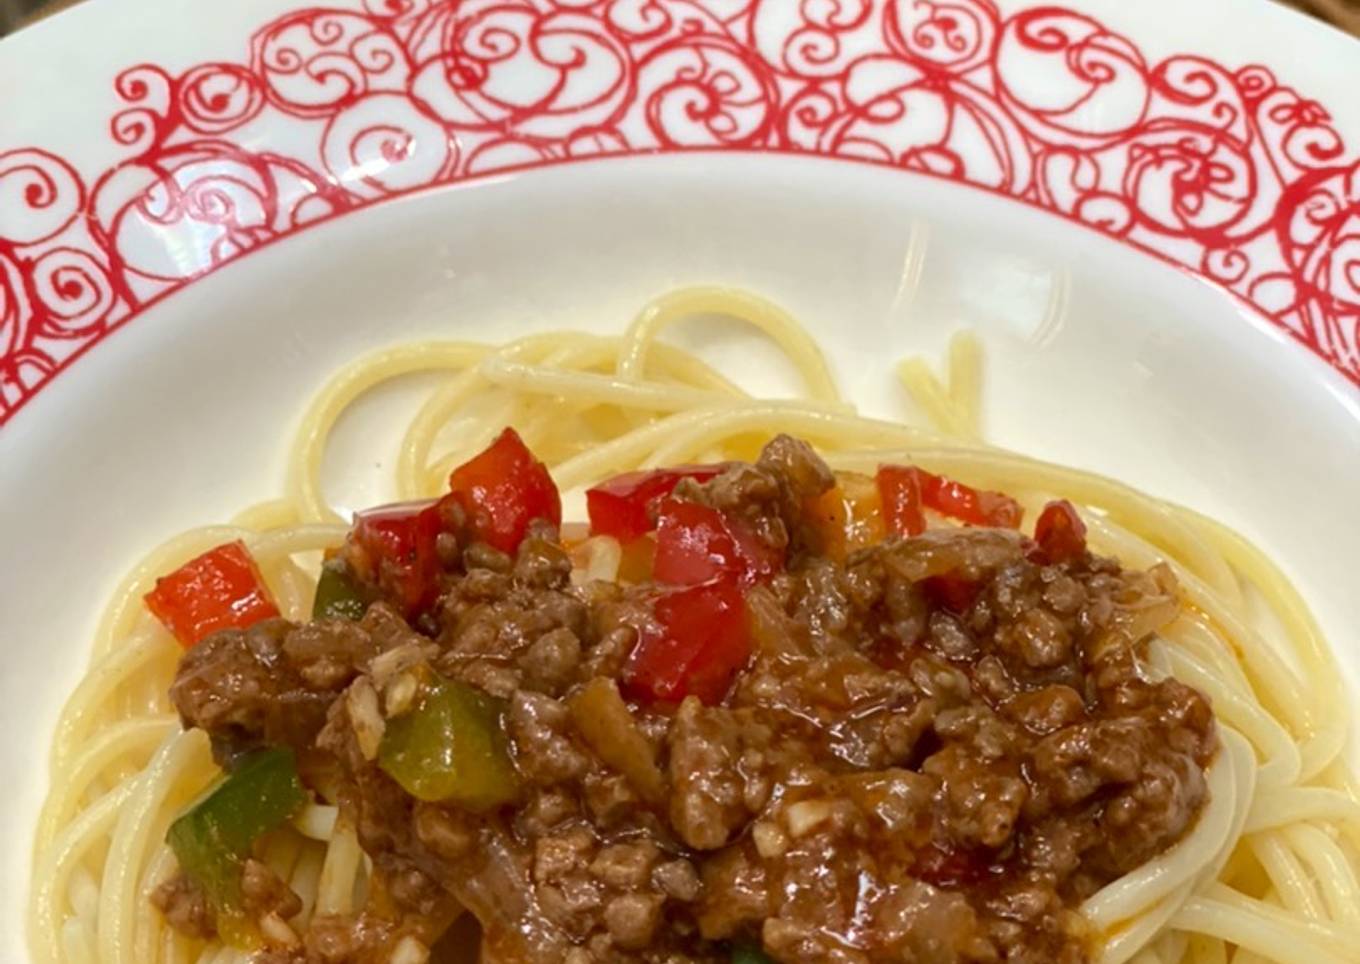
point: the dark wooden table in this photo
(1343, 13)
(16, 13)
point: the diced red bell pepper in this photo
(696, 543)
(977, 507)
(1059, 533)
(502, 490)
(952, 591)
(622, 507)
(699, 643)
(398, 544)
(899, 488)
(951, 867)
(221, 589)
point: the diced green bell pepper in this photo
(747, 952)
(451, 748)
(337, 595)
(215, 835)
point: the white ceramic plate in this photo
(1150, 212)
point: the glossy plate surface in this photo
(891, 172)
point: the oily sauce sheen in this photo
(936, 749)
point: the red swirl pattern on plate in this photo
(1225, 172)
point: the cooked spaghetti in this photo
(1005, 748)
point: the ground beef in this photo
(272, 683)
(185, 907)
(770, 493)
(708, 788)
(906, 770)
(262, 892)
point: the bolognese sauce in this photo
(759, 711)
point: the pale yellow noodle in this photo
(933, 398)
(1278, 750)
(595, 388)
(419, 439)
(965, 382)
(353, 380)
(150, 934)
(805, 354)
(335, 890)
(133, 736)
(306, 879)
(183, 757)
(1331, 869)
(1268, 873)
(1287, 875)
(1295, 805)
(1204, 949)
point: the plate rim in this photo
(97, 265)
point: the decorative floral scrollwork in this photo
(1225, 171)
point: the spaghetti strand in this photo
(1268, 873)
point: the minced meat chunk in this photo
(185, 907)
(936, 749)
